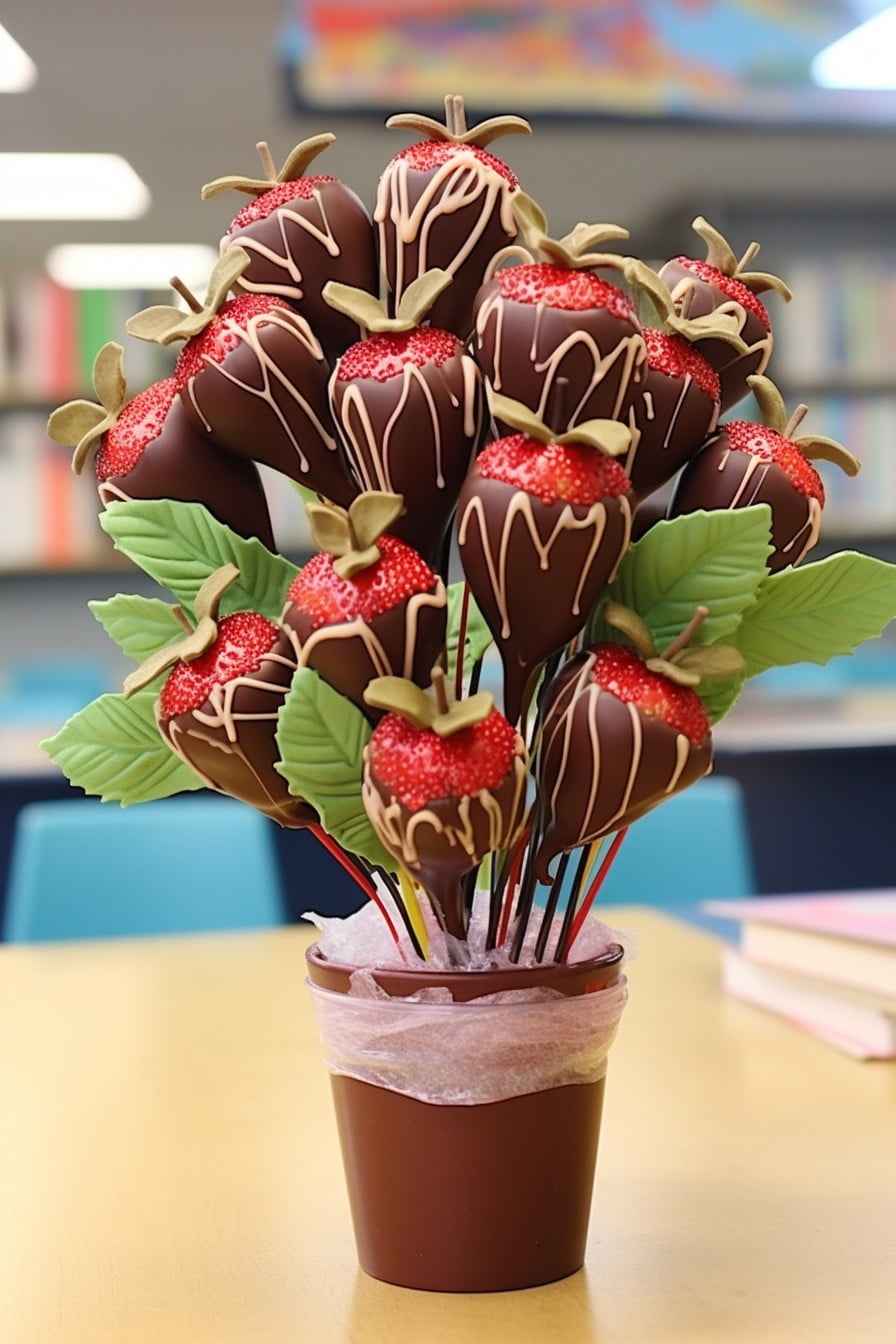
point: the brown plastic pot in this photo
(470, 1198)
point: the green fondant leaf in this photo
(140, 626)
(113, 749)
(715, 559)
(180, 545)
(719, 694)
(817, 611)
(478, 637)
(321, 737)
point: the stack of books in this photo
(825, 963)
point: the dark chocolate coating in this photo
(424, 432)
(534, 608)
(443, 861)
(670, 419)
(694, 297)
(301, 246)
(602, 763)
(181, 464)
(721, 477)
(466, 222)
(267, 401)
(347, 663)
(230, 740)
(525, 350)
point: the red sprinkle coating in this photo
(329, 600)
(620, 670)
(569, 472)
(244, 639)
(301, 189)
(767, 444)
(223, 334)
(140, 422)
(560, 287)
(384, 356)
(729, 285)
(419, 767)
(429, 154)
(673, 355)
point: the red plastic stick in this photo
(582, 912)
(331, 846)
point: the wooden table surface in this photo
(169, 1169)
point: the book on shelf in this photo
(826, 962)
(859, 1023)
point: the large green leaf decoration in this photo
(817, 611)
(478, 637)
(180, 545)
(719, 694)
(321, 737)
(712, 558)
(113, 749)
(140, 626)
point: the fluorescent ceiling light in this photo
(70, 186)
(131, 265)
(861, 59)
(17, 70)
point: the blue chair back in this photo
(693, 847)
(85, 869)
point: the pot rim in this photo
(570, 978)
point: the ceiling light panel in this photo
(70, 186)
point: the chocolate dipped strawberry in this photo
(409, 405)
(555, 335)
(301, 231)
(748, 463)
(145, 448)
(367, 605)
(622, 730)
(543, 521)
(446, 203)
(218, 706)
(253, 378)
(723, 284)
(444, 784)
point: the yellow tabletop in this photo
(169, 1169)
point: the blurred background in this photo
(776, 120)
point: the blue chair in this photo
(692, 848)
(85, 869)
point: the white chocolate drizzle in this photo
(521, 507)
(370, 449)
(461, 181)
(380, 660)
(629, 352)
(271, 373)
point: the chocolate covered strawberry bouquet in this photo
(479, 682)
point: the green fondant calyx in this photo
(350, 535)
(575, 251)
(720, 255)
(455, 128)
(711, 326)
(292, 169)
(371, 314)
(197, 641)
(607, 436)
(432, 709)
(163, 323)
(684, 665)
(814, 447)
(83, 423)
